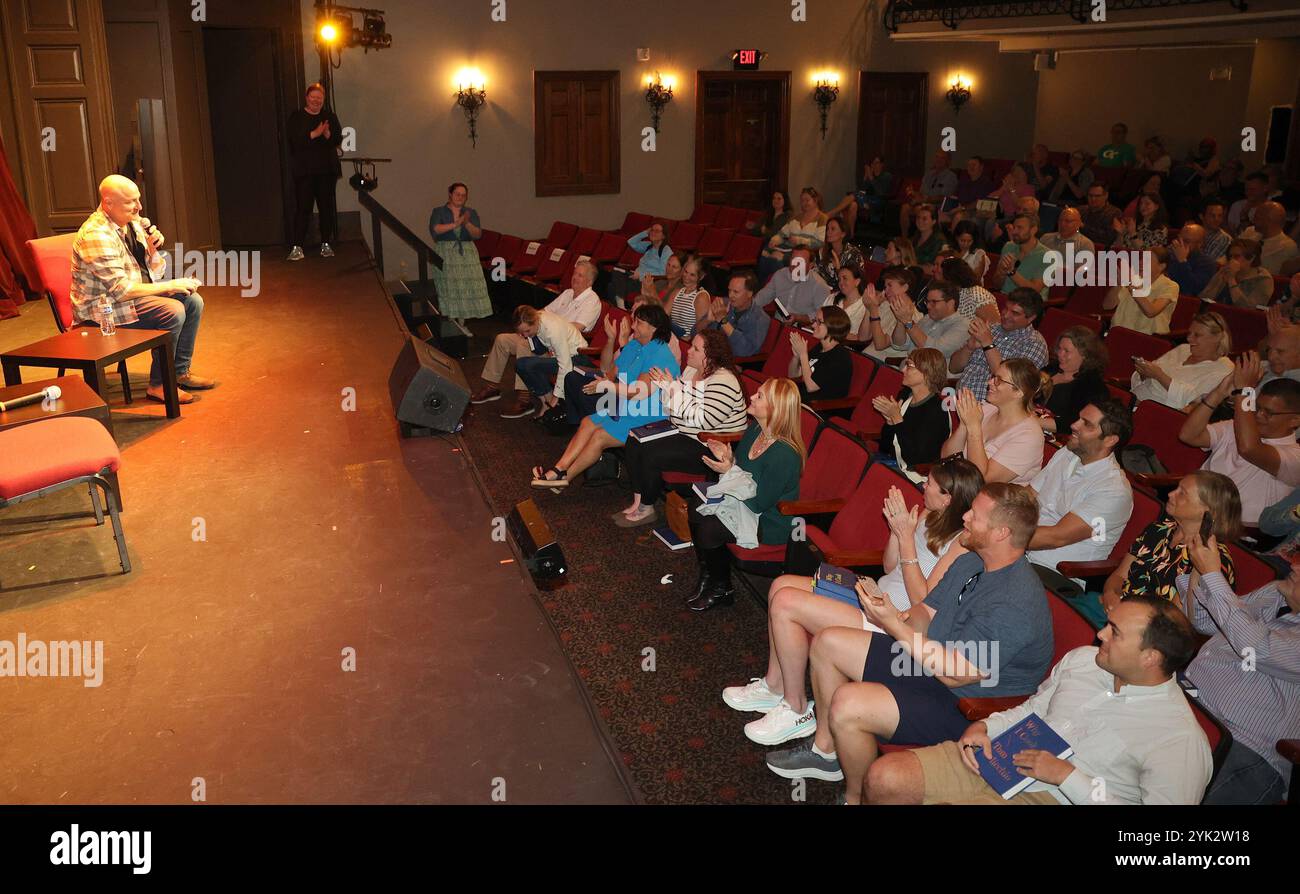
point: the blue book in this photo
(669, 539)
(653, 431)
(1032, 732)
(702, 491)
(837, 583)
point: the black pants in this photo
(577, 404)
(709, 539)
(646, 463)
(317, 189)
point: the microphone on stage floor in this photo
(54, 392)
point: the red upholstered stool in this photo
(45, 457)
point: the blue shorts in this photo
(927, 709)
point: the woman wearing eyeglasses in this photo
(1002, 436)
(1180, 376)
(916, 423)
(824, 371)
(922, 546)
(1242, 281)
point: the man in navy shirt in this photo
(1188, 266)
(983, 631)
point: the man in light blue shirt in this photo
(744, 323)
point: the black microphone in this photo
(147, 226)
(53, 392)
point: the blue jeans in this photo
(180, 315)
(1245, 778)
(537, 372)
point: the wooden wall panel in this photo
(56, 71)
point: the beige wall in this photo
(1165, 92)
(400, 100)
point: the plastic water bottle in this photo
(106, 324)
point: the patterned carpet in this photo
(679, 741)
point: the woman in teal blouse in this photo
(462, 290)
(772, 451)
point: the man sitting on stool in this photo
(115, 261)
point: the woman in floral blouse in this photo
(1159, 554)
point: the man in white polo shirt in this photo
(1257, 448)
(580, 305)
(941, 327)
(1084, 498)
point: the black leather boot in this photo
(718, 590)
(703, 580)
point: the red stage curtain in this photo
(19, 278)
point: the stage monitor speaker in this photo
(542, 554)
(428, 389)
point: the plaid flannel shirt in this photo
(103, 267)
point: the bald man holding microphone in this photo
(117, 271)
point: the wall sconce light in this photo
(658, 93)
(471, 95)
(826, 89)
(959, 93)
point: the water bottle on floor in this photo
(106, 324)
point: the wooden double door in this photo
(742, 137)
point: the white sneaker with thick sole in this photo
(754, 697)
(781, 724)
(296, 254)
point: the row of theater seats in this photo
(720, 234)
(842, 489)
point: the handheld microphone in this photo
(53, 392)
(147, 225)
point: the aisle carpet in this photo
(679, 740)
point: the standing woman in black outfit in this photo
(1076, 379)
(314, 137)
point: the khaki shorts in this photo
(949, 781)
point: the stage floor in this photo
(272, 531)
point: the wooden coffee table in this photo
(87, 351)
(77, 400)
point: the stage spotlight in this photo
(334, 32)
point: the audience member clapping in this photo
(1000, 435)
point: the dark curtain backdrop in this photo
(19, 278)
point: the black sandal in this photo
(540, 480)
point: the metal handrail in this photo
(381, 217)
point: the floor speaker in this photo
(428, 390)
(542, 554)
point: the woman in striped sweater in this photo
(707, 398)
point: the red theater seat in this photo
(731, 218)
(742, 251)
(1122, 345)
(714, 242)
(705, 215)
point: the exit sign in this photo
(746, 60)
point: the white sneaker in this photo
(754, 697)
(782, 724)
(296, 254)
(326, 251)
